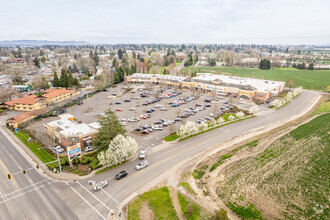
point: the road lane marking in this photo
(85, 200)
(22, 188)
(94, 196)
(12, 177)
(14, 197)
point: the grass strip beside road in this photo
(38, 150)
(109, 168)
(175, 136)
(158, 200)
(190, 210)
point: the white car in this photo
(88, 148)
(157, 128)
(163, 109)
(123, 123)
(98, 186)
(122, 119)
(59, 149)
(131, 120)
(214, 102)
(137, 97)
(142, 154)
(142, 165)
(132, 109)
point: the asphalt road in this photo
(70, 200)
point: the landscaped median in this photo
(227, 119)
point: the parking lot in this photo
(135, 113)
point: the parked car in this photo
(175, 105)
(142, 165)
(127, 100)
(118, 103)
(138, 129)
(88, 148)
(123, 123)
(225, 102)
(59, 149)
(163, 109)
(121, 174)
(207, 100)
(207, 105)
(80, 103)
(142, 154)
(144, 132)
(119, 110)
(177, 119)
(132, 109)
(158, 122)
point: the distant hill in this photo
(41, 43)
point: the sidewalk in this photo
(34, 160)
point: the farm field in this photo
(291, 176)
(309, 79)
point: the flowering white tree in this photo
(120, 148)
(296, 91)
(188, 128)
(203, 126)
(277, 103)
(254, 110)
(240, 115)
(231, 117)
(220, 120)
(289, 96)
(212, 122)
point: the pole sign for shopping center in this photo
(74, 152)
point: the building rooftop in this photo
(69, 127)
(240, 82)
(167, 77)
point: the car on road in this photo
(142, 154)
(121, 174)
(98, 186)
(142, 165)
(59, 149)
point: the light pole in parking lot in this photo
(118, 209)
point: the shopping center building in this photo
(238, 87)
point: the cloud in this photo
(170, 21)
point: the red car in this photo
(144, 132)
(119, 110)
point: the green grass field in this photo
(159, 201)
(324, 107)
(190, 210)
(309, 79)
(292, 174)
(40, 152)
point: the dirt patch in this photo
(145, 212)
(174, 197)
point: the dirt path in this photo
(175, 200)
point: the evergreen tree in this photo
(120, 54)
(110, 128)
(70, 79)
(36, 62)
(64, 79)
(264, 64)
(76, 82)
(96, 58)
(311, 66)
(75, 68)
(56, 82)
(196, 58)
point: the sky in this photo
(168, 21)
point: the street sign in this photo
(74, 152)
